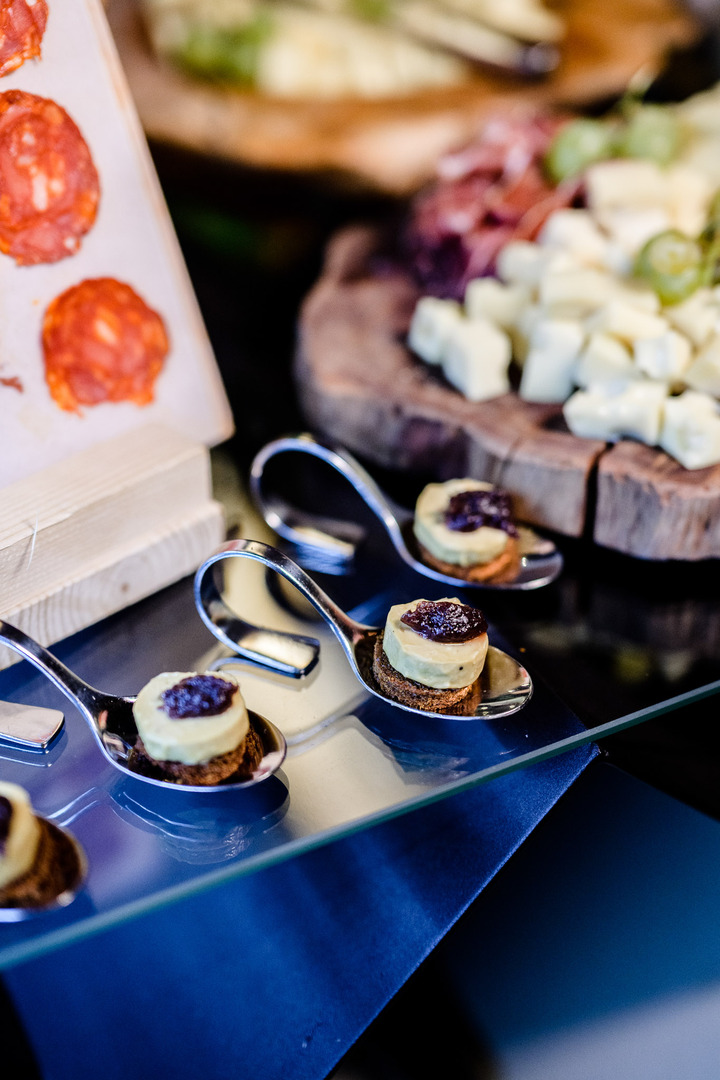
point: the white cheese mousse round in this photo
(19, 833)
(480, 545)
(443, 665)
(190, 740)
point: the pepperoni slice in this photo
(102, 342)
(22, 25)
(49, 187)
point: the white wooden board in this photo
(132, 240)
(105, 528)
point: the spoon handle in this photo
(324, 543)
(80, 693)
(280, 652)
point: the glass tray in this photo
(352, 760)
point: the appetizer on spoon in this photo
(461, 532)
(500, 686)
(185, 730)
(42, 867)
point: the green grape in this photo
(577, 145)
(225, 54)
(373, 10)
(672, 264)
(650, 132)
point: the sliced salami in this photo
(102, 343)
(49, 186)
(488, 193)
(22, 25)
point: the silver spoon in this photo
(506, 684)
(327, 545)
(112, 722)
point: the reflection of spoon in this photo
(112, 722)
(328, 545)
(203, 831)
(70, 865)
(506, 684)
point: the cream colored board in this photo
(155, 560)
(132, 240)
(73, 513)
(106, 527)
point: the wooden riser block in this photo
(103, 529)
(128, 576)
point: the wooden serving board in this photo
(389, 144)
(358, 384)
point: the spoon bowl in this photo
(71, 865)
(112, 723)
(327, 545)
(506, 685)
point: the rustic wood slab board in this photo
(648, 505)
(359, 385)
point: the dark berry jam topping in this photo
(468, 510)
(446, 621)
(6, 812)
(198, 695)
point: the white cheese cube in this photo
(430, 325)
(624, 182)
(688, 196)
(520, 262)
(612, 410)
(691, 430)
(549, 368)
(700, 112)
(623, 320)
(488, 298)
(704, 371)
(476, 359)
(701, 155)
(630, 227)
(604, 359)
(638, 296)
(581, 290)
(698, 317)
(618, 260)
(575, 232)
(664, 357)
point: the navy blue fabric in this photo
(276, 975)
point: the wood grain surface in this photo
(103, 529)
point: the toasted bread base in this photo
(54, 869)
(242, 760)
(462, 701)
(503, 568)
